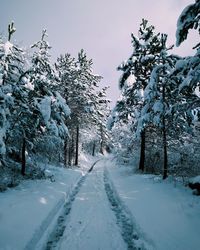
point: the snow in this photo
(53, 127)
(24, 208)
(62, 104)
(130, 80)
(3, 130)
(7, 48)
(181, 64)
(184, 22)
(158, 107)
(107, 208)
(195, 179)
(169, 215)
(2, 144)
(92, 223)
(29, 85)
(45, 108)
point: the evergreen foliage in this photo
(47, 109)
(159, 101)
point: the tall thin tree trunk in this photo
(142, 151)
(165, 167)
(101, 141)
(101, 147)
(165, 163)
(77, 144)
(65, 152)
(23, 165)
(93, 148)
(70, 153)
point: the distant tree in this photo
(79, 85)
(100, 117)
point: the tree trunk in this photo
(71, 151)
(23, 166)
(165, 167)
(77, 144)
(65, 152)
(101, 146)
(142, 151)
(101, 141)
(93, 148)
(165, 163)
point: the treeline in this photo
(48, 109)
(160, 101)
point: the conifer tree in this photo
(42, 107)
(79, 85)
(136, 74)
(160, 96)
(12, 64)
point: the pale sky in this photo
(101, 27)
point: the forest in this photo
(46, 107)
(57, 109)
(78, 174)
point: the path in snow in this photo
(129, 230)
(56, 219)
(59, 228)
(89, 222)
(94, 217)
(60, 225)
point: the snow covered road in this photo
(94, 218)
(91, 224)
(102, 207)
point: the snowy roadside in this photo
(168, 215)
(27, 210)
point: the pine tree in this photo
(136, 74)
(79, 85)
(43, 109)
(12, 64)
(160, 97)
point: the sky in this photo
(101, 27)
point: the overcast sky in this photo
(101, 27)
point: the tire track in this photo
(60, 226)
(39, 233)
(128, 228)
(63, 208)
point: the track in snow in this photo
(123, 216)
(60, 226)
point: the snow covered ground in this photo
(29, 209)
(107, 208)
(167, 213)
